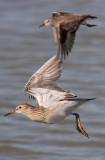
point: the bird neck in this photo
(36, 113)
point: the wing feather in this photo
(41, 84)
(47, 74)
(49, 98)
(56, 38)
(42, 87)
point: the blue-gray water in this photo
(23, 49)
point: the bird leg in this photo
(78, 125)
(88, 25)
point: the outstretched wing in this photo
(65, 31)
(41, 84)
(49, 97)
(64, 38)
(66, 41)
(47, 74)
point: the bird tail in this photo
(89, 99)
(81, 99)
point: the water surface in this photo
(23, 49)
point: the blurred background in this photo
(23, 49)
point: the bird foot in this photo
(79, 127)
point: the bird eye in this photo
(20, 107)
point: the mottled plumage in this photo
(65, 26)
(53, 103)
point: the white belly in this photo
(56, 116)
(63, 110)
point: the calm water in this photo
(23, 49)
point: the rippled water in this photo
(23, 49)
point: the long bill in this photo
(10, 113)
(42, 25)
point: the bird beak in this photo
(10, 113)
(42, 25)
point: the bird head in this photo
(22, 108)
(47, 22)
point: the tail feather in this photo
(81, 99)
(89, 99)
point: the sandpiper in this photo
(53, 103)
(65, 26)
